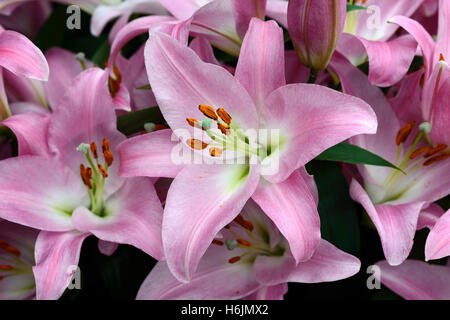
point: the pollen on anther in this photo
(404, 132)
(197, 144)
(109, 158)
(93, 147)
(13, 251)
(441, 57)
(217, 242)
(105, 145)
(234, 259)
(418, 152)
(437, 149)
(215, 152)
(436, 159)
(245, 243)
(224, 128)
(102, 171)
(208, 111)
(224, 115)
(6, 267)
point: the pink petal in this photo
(39, 192)
(443, 42)
(260, 68)
(327, 264)
(133, 215)
(181, 82)
(275, 292)
(277, 10)
(149, 155)
(216, 22)
(417, 280)
(57, 254)
(20, 56)
(203, 49)
(438, 241)
(396, 224)
(183, 9)
(311, 119)
(291, 206)
(214, 279)
(295, 71)
(422, 37)
(22, 89)
(107, 248)
(103, 13)
(65, 67)
(244, 11)
(201, 201)
(31, 132)
(389, 61)
(440, 115)
(271, 270)
(429, 216)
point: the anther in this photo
(418, 152)
(223, 128)
(3, 244)
(86, 175)
(197, 144)
(244, 223)
(109, 158)
(13, 251)
(215, 152)
(234, 259)
(437, 149)
(217, 242)
(245, 243)
(441, 57)
(6, 267)
(193, 122)
(102, 171)
(404, 132)
(105, 145)
(208, 111)
(224, 115)
(436, 159)
(93, 147)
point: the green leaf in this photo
(134, 121)
(345, 152)
(338, 212)
(52, 32)
(102, 54)
(352, 7)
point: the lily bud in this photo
(314, 27)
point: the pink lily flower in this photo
(206, 197)
(436, 87)
(65, 186)
(416, 280)
(392, 199)
(20, 56)
(368, 35)
(438, 241)
(16, 261)
(249, 259)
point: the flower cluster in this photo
(190, 130)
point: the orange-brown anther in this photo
(234, 259)
(418, 152)
(5, 267)
(86, 175)
(208, 111)
(438, 148)
(224, 115)
(1, 278)
(244, 223)
(102, 171)
(404, 132)
(245, 243)
(3, 244)
(217, 242)
(441, 57)
(223, 128)
(197, 144)
(215, 152)
(109, 158)
(94, 150)
(193, 122)
(436, 159)
(105, 145)
(160, 127)
(13, 250)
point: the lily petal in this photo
(133, 215)
(417, 280)
(20, 56)
(260, 68)
(57, 255)
(292, 207)
(438, 241)
(244, 11)
(201, 201)
(149, 155)
(106, 247)
(327, 264)
(39, 192)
